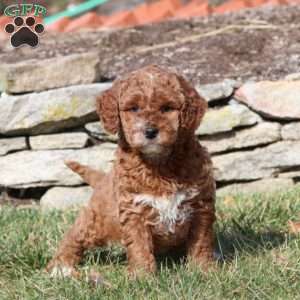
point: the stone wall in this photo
(47, 106)
(252, 133)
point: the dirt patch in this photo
(262, 43)
(253, 45)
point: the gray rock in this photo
(261, 134)
(293, 76)
(217, 91)
(65, 197)
(270, 98)
(227, 118)
(290, 174)
(291, 131)
(71, 140)
(46, 167)
(268, 185)
(96, 130)
(44, 74)
(12, 144)
(49, 111)
(259, 163)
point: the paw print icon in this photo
(24, 32)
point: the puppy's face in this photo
(150, 107)
(150, 113)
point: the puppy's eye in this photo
(134, 108)
(166, 108)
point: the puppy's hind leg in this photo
(82, 236)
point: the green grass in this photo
(261, 259)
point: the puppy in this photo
(160, 194)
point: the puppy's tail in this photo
(90, 176)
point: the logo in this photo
(24, 30)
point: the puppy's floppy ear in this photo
(194, 107)
(107, 109)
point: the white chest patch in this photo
(169, 208)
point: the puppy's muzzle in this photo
(151, 133)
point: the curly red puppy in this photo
(160, 193)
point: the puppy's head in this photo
(150, 109)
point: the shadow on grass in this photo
(172, 258)
(231, 243)
(104, 256)
(117, 256)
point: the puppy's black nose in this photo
(151, 133)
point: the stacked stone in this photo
(256, 148)
(252, 131)
(47, 120)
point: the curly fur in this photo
(160, 193)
